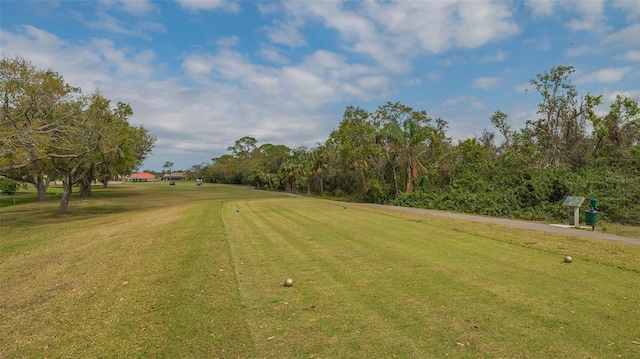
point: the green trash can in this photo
(592, 214)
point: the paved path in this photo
(519, 224)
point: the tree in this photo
(269, 159)
(355, 141)
(131, 144)
(290, 171)
(246, 151)
(244, 147)
(168, 166)
(87, 141)
(560, 131)
(223, 169)
(49, 126)
(406, 132)
(499, 120)
(34, 119)
(197, 171)
(319, 163)
(617, 134)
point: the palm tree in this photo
(168, 165)
(405, 131)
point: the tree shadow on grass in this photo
(30, 212)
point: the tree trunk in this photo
(105, 180)
(410, 173)
(395, 182)
(66, 193)
(85, 187)
(42, 185)
(293, 184)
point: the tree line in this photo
(392, 155)
(50, 129)
(399, 155)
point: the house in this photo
(142, 177)
(174, 176)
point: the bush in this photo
(8, 186)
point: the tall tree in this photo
(246, 151)
(34, 118)
(319, 164)
(406, 132)
(131, 146)
(617, 133)
(73, 157)
(355, 141)
(560, 130)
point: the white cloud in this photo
(197, 5)
(455, 100)
(486, 83)
(451, 61)
(631, 55)
(272, 54)
(267, 7)
(109, 23)
(625, 37)
(228, 41)
(197, 65)
(588, 15)
(286, 33)
(133, 7)
(433, 75)
(467, 101)
(591, 16)
(394, 34)
(610, 74)
(477, 105)
(97, 63)
(611, 97)
(279, 102)
(104, 21)
(413, 82)
(580, 50)
(541, 7)
(498, 56)
(540, 43)
(630, 7)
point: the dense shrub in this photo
(536, 194)
(8, 186)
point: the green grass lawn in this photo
(156, 271)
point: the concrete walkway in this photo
(519, 224)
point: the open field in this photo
(156, 271)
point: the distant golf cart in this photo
(198, 181)
(172, 183)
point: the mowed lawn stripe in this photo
(156, 283)
(267, 247)
(419, 288)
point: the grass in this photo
(151, 270)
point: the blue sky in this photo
(202, 74)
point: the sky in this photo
(200, 75)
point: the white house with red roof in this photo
(142, 177)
